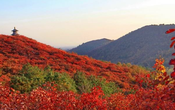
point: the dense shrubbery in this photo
(85, 83)
(89, 91)
(17, 51)
(159, 94)
(31, 77)
(38, 89)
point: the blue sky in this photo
(61, 23)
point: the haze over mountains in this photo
(140, 47)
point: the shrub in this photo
(85, 83)
(31, 77)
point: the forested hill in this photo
(139, 47)
(87, 47)
(15, 51)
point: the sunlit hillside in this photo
(37, 76)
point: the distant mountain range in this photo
(140, 47)
(90, 46)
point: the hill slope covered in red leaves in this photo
(155, 91)
(15, 51)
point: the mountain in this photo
(15, 51)
(87, 47)
(140, 47)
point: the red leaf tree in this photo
(172, 61)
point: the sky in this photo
(69, 23)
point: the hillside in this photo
(76, 82)
(15, 51)
(138, 47)
(87, 47)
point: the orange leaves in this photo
(159, 65)
(159, 62)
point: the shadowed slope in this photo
(139, 47)
(87, 47)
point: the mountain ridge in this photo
(141, 46)
(89, 46)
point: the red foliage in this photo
(172, 38)
(172, 61)
(93, 100)
(173, 75)
(155, 99)
(17, 51)
(170, 31)
(50, 99)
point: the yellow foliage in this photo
(159, 65)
